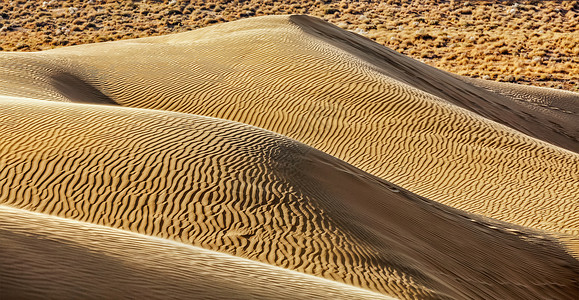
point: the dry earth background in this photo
(528, 42)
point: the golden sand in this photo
(237, 189)
(397, 119)
(360, 138)
(58, 255)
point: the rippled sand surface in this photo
(285, 141)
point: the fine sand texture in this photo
(488, 151)
(42, 256)
(237, 189)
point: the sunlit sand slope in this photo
(388, 115)
(245, 191)
(49, 257)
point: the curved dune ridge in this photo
(40, 253)
(248, 192)
(384, 113)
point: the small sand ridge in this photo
(40, 253)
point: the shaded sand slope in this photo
(43, 256)
(374, 112)
(245, 191)
(54, 81)
(562, 107)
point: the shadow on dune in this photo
(77, 90)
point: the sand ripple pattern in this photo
(241, 190)
(268, 73)
(195, 180)
(36, 251)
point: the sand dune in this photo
(241, 190)
(378, 175)
(426, 130)
(494, 104)
(44, 256)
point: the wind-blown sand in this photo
(371, 136)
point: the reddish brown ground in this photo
(529, 42)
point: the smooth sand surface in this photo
(386, 114)
(248, 192)
(346, 182)
(42, 256)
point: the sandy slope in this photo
(497, 105)
(44, 256)
(386, 114)
(241, 190)
(557, 107)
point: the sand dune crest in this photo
(505, 105)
